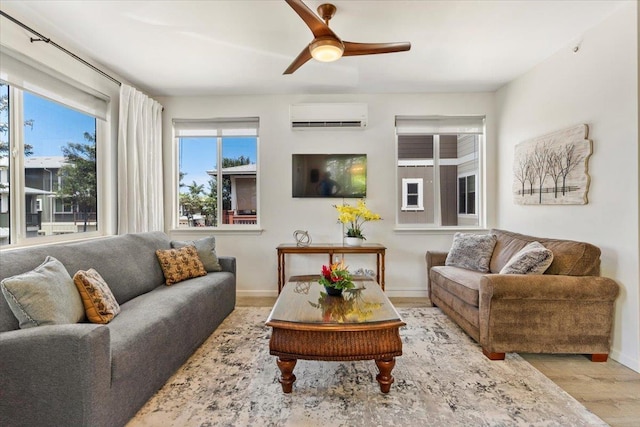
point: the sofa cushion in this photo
(471, 251)
(570, 258)
(45, 295)
(99, 303)
(463, 283)
(532, 259)
(180, 264)
(206, 248)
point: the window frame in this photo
(16, 172)
(448, 125)
(466, 194)
(218, 128)
(419, 206)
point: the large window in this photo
(48, 154)
(438, 165)
(218, 171)
(54, 191)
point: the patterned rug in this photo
(442, 379)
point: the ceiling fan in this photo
(326, 45)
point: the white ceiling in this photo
(242, 47)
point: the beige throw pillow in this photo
(99, 303)
(180, 264)
(532, 259)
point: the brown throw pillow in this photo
(99, 303)
(180, 264)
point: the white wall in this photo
(597, 85)
(281, 214)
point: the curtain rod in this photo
(47, 40)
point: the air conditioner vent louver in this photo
(348, 124)
(328, 116)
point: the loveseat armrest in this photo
(228, 263)
(546, 314)
(433, 259)
(547, 287)
(54, 375)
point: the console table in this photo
(330, 249)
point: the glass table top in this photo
(308, 302)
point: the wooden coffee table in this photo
(308, 324)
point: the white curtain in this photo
(140, 183)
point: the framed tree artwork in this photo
(553, 169)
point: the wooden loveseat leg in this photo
(493, 356)
(599, 357)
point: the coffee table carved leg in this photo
(286, 368)
(385, 366)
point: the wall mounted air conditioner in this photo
(328, 116)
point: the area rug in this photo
(442, 379)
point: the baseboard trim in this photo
(627, 361)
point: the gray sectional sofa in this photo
(87, 374)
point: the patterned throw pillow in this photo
(532, 259)
(180, 264)
(43, 296)
(471, 251)
(99, 303)
(206, 248)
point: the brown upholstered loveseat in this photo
(568, 309)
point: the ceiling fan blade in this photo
(353, 49)
(313, 21)
(303, 57)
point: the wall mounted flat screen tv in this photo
(329, 175)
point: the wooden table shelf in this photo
(331, 250)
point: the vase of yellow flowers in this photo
(335, 278)
(353, 218)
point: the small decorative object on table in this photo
(354, 218)
(335, 278)
(302, 238)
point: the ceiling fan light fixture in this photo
(326, 49)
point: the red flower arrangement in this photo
(336, 276)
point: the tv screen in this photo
(329, 175)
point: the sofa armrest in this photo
(546, 313)
(228, 263)
(54, 375)
(433, 259)
(547, 287)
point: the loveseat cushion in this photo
(570, 258)
(463, 283)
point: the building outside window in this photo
(48, 154)
(467, 195)
(412, 194)
(438, 165)
(218, 173)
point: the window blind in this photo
(246, 126)
(20, 71)
(439, 125)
